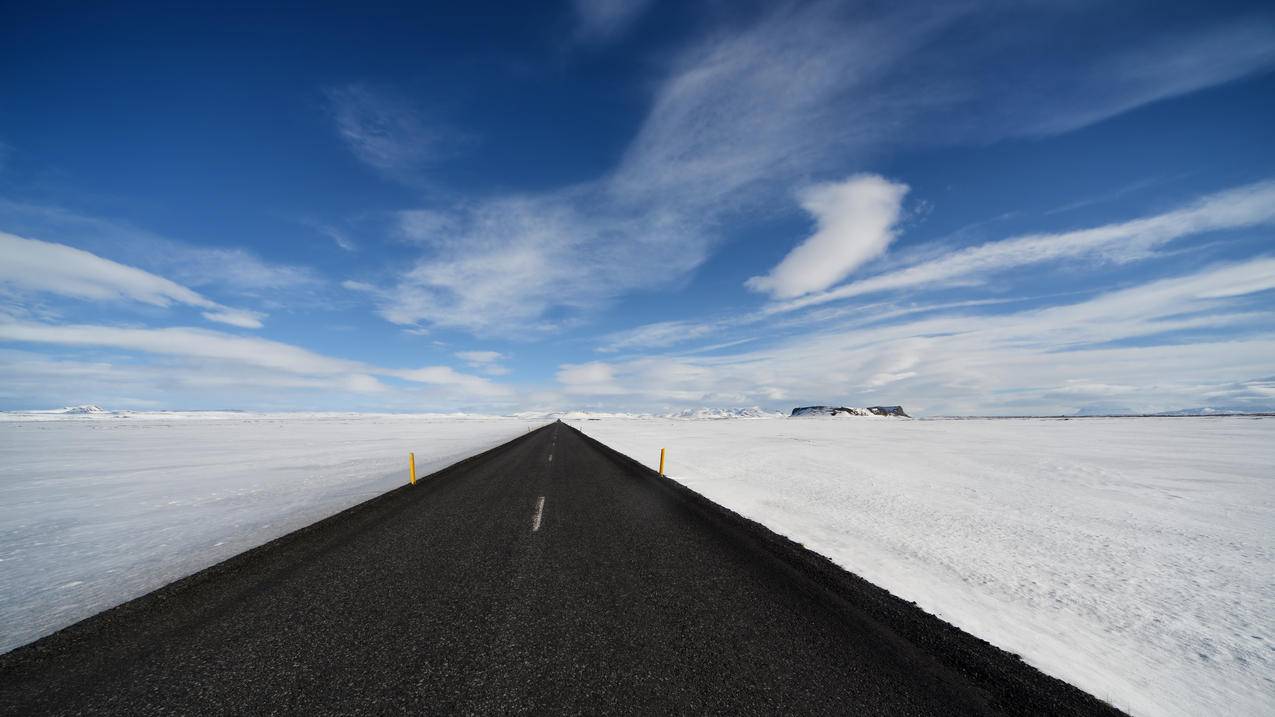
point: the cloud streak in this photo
(35, 265)
(600, 20)
(750, 109)
(500, 266)
(1247, 206)
(1004, 363)
(486, 361)
(385, 132)
(231, 270)
(243, 351)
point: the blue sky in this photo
(980, 208)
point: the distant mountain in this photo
(1202, 411)
(573, 415)
(812, 411)
(720, 413)
(1104, 409)
(86, 408)
(1206, 411)
(689, 414)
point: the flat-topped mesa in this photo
(846, 411)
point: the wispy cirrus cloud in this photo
(595, 378)
(730, 117)
(532, 263)
(526, 265)
(905, 290)
(184, 342)
(489, 362)
(206, 359)
(226, 269)
(1247, 206)
(480, 357)
(286, 363)
(958, 362)
(599, 20)
(729, 132)
(238, 271)
(657, 335)
(48, 267)
(474, 386)
(386, 131)
(1175, 62)
(339, 236)
(43, 379)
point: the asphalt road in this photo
(549, 575)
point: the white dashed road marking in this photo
(540, 509)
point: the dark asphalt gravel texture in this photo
(634, 596)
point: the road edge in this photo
(1012, 685)
(85, 628)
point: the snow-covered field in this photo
(1133, 557)
(96, 509)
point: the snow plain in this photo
(1132, 557)
(96, 509)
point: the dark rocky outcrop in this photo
(846, 411)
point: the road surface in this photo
(549, 575)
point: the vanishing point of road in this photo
(550, 575)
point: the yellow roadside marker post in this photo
(411, 460)
(661, 461)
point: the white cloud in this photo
(729, 116)
(447, 376)
(805, 87)
(37, 380)
(605, 19)
(236, 317)
(232, 270)
(280, 360)
(182, 341)
(594, 378)
(480, 357)
(729, 130)
(362, 383)
(504, 264)
(855, 223)
(385, 131)
(585, 373)
(46, 266)
(1247, 206)
(362, 286)
(656, 335)
(533, 263)
(428, 226)
(1174, 63)
(998, 363)
(49, 267)
(339, 236)
(486, 361)
(732, 117)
